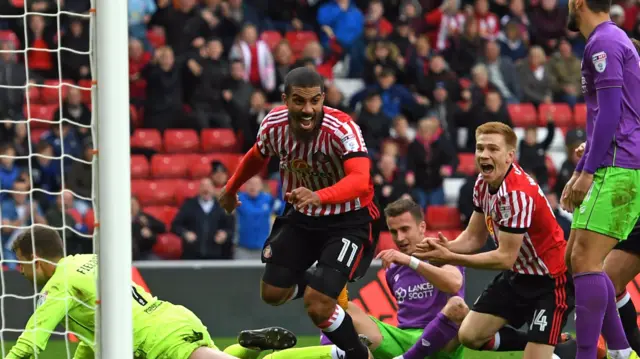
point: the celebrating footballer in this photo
(325, 173)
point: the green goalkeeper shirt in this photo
(69, 297)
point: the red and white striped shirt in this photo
(520, 206)
(316, 164)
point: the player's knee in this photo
(320, 307)
(456, 309)
(273, 295)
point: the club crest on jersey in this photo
(41, 298)
(267, 252)
(599, 61)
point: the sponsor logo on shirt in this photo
(414, 292)
(302, 169)
(599, 61)
(41, 298)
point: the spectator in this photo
(533, 153)
(208, 25)
(465, 198)
(163, 106)
(481, 85)
(534, 77)
(74, 110)
(563, 221)
(375, 17)
(140, 12)
(41, 41)
(374, 124)
(138, 60)
(324, 63)
(502, 72)
(253, 219)
(346, 23)
(334, 98)
(493, 110)
(617, 15)
(289, 15)
(9, 172)
(402, 37)
(382, 54)
(573, 139)
(549, 23)
(438, 75)
(206, 230)
(63, 136)
(445, 111)
(389, 182)
(12, 73)
(257, 58)
(444, 23)
(512, 43)
(258, 109)
(488, 24)
(63, 216)
(18, 211)
(46, 174)
(80, 178)
(173, 21)
(283, 56)
(431, 158)
(565, 74)
(402, 135)
(219, 176)
(517, 16)
(464, 49)
(144, 232)
(75, 65)
(18, 136)
(240, 14)
(236, 95)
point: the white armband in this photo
(414, 263)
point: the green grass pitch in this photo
(57, 349)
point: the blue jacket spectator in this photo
(345, 20)
(254, 219)
(395, 98)
(70, 142)
(9, 172)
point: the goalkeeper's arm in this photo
(84, 351)
(50, 312)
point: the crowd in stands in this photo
(418, 76)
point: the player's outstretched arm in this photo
(250, 165)
(502, 258)
(52, 307)
(447, 278)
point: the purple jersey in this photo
(418, 300)
(611, 60)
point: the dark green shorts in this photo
(611, 207)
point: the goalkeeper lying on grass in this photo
(160, 329)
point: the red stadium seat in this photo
(560, 112)
(86, 90)
(53, 94)
(155, 193)
(139, 167)
(33, 93)
(199, 167)
(467, 164)
(40, 116)
(164, 214)
(523, 114)
(168, 246)
(186, 190)
(168, 166)
(299, 39)
(218, 140)
(181, 141)
(90, 221)
(580, 115)
(147, 138)
(272, 38)
(442, 217)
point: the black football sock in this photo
(629, 317)
(340, 331)
(507, 339)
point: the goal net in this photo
(49, 152)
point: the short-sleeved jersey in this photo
(316, 164)
(69, 298)
(520, 206)
(419, 301)
(611, 60)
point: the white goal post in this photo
(114, 335)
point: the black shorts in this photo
(345, 242)
(632, 243)
(543, 303)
